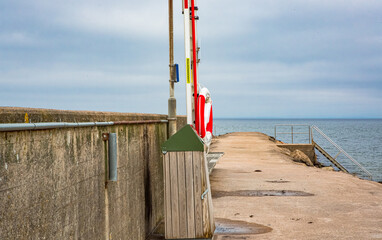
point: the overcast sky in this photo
(276, 59)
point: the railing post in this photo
(275, 131)
(292, 133)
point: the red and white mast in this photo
(187, 44)
(195, 62)
(191, 55)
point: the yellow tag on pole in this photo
(26, 118)
(188, 70)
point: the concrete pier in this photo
(271, 197)
(53, 184)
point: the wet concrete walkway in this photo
(260, 193)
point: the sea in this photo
(359, 138)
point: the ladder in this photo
(333, 159)
(329, 157)
(314, 129)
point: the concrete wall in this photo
(52, 182)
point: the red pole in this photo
(195, 60)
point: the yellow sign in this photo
(26, 118)
(188, 70)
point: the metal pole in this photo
(275, 132)
(8, 127)
(171, 100)
(113, 162)
(187, 48)
(292, 134)
(311, 134)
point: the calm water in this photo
(362, 139)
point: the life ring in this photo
(205, 116)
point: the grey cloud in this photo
(259, 58)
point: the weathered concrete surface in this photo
(52, 182)
(342, 207)
(17, 115)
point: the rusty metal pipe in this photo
(139, 122)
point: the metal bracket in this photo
(105, 136)
(204, 194)
(174, 73)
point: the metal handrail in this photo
(292, 131)
(313, 127)
(340, 150)
(8, 127)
